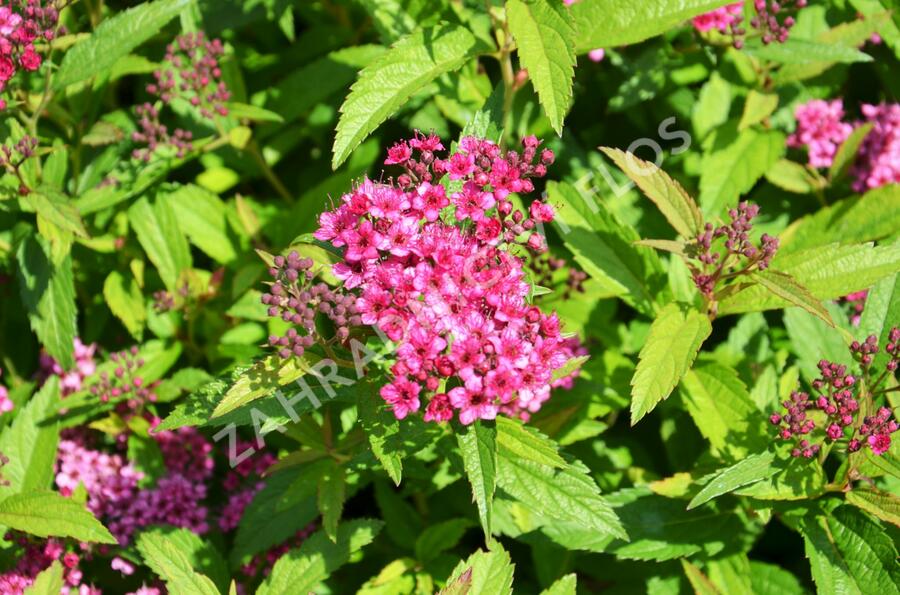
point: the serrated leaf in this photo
(793, 177)
(161, 238)
(567, 494)
(545, 40)
(757, 108)
(610, 23)
(788, 289)
(804, 51)
(846, 153)
(884, 505)
(674, 340)
(849, 553)
(48, 582)
(749, 470)
(262, 379)
(48, 514)
(670, 198)
(386, 84)
(30, 442)
(769, 579)
(169, 558)
(202, 217)
(301, 569)
(515, 439)
(487, 573)
(125, 301)
(732, 171)
(828, 272)
(603, 247)
(332, 491)
(564, 586)
(48, 292)
(56, 208)
(724, 412)
(795, 480)
(478, 447)
(114, 38)
(488, 121)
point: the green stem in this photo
(269, 173)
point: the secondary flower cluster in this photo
(771, 23)
(14, 155)
(191, 73)
(452, 296)
(125, 384)
(70, 381)
(6, 403)
(737, 255)
(22, 24)
(837, 400)
(294, 298)
(821, 129)
(37, 555)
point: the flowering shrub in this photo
(533, 296)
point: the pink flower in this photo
(597, 55)
(879, 443)
(439, 409)
(399, 153)
(878, 161)
(429, 200)
(720, 18)
(402, 395)
(364, 242)
(820, 129)
(30, 60)
(6, 404)
(472, 202)
(461, 165)
(9, 21)
(472, 405)
(541, 211)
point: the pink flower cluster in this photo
(22, 24)
(821, 129)
(452, 296)
(191, 74)
(735, 256)
(721, 19)
(36, 556)
(838, 398)
(878, 162)
(70, 381)
(242, 483)
(6, 404)
(125, 386)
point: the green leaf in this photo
(48, 292)
(254, 113)
(669, 197)
(568, 494)
(56, 208)
(301, 569)
(675, 338)
(202, 216)
(699, 581)
(610, 23)
(48, 582)
(48, 514)
(888, 28)
(828, 272)
(732, 171)
(440, 537)
(545, 39)
(564, 586)
(114, 38)
(125, 301)
(161, 238)
(604, 247)
(849, 553)
(488, 573)
(712, 107)
(881, 314)
(173, 558)
(488, 121)
(845, 155)
(749, 470)
(723, 411)
(731, 574)
(478, 447)
(884, 505)
(793, 177)
(769, 579)
(386, 84)
(795, 480)
(30, 442)
(332, 492)
(757, 108)
(515, 439)
(803, 51)
(787, 288)
(873, 216)
(262, 379)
